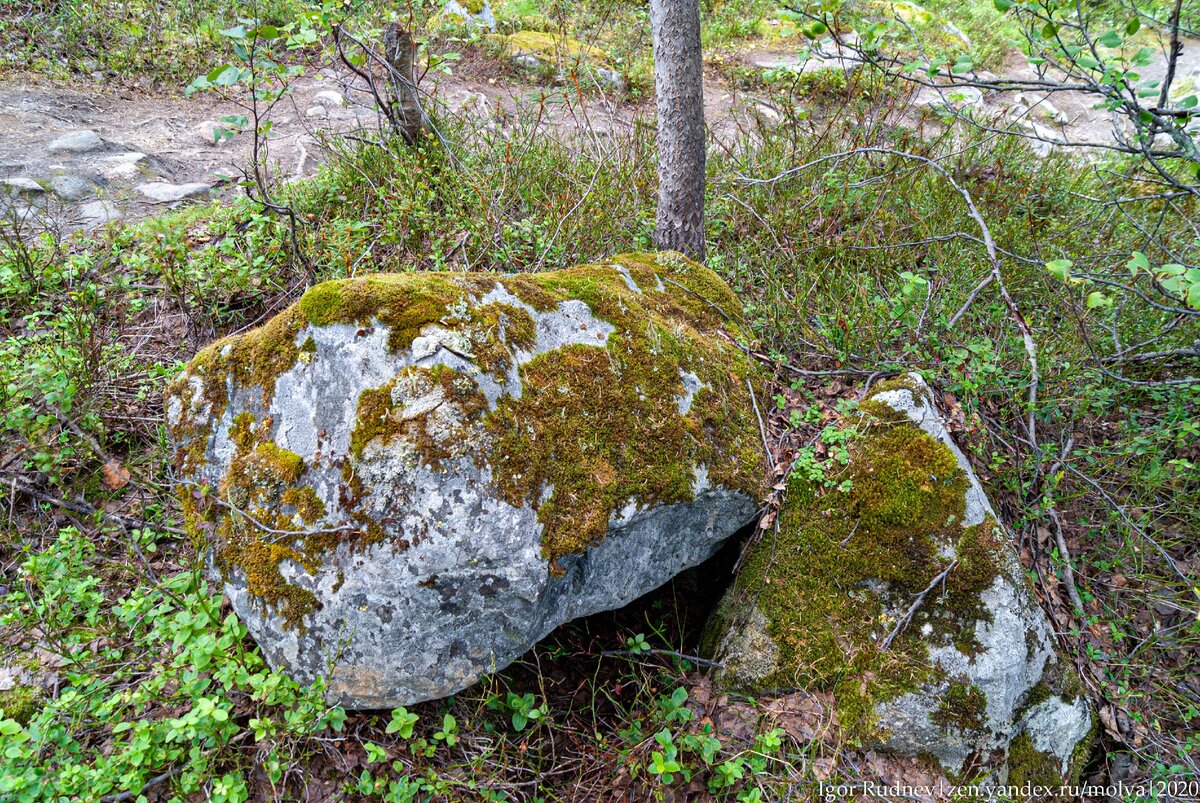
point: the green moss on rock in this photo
(846, 565)
(1029, 766)
(592, 428)
(434, 409)
(551, 48)
(603, 426)
(963, 707)
(20, 703)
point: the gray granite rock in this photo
(411, 479)
(72, 188)
(330, 99)
(76, 142)
(19, 186)
(162, 192)
(211, 133)
(979, 666)
(122, 166)
(485, 17)
(97, 213)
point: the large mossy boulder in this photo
(404, 481)
(892, 585)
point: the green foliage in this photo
(523, 708)
(168, 687)
(166, 41)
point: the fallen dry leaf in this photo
(115, 476)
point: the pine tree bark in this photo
(679, 93)
(404, 110)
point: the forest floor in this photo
(864, 268)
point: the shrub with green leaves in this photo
(152, 680)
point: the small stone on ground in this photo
(76, 142)
(162, 192)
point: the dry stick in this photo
(95, 446)
(681, 655)
(971, 299)
(1128, 521)
(762, 429)
(120, 797)
(84, 509)
(690, 292)
(1068, 574)
(912, 610)
(279, 534)
(1172, 57)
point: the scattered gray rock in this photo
(485, 17)
(528, 62)
(609, 78)
(767, 113)
(83, 141)
(957, 33)
(329, 99)
(17, 186)
(316, 112)
(207, 132)
(162, 192)
(72, 188)
(452, 541)
(98, 213)
(951, 98)
(122, 166)
(1043, 139)
(1051, 112)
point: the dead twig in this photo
(912, 609)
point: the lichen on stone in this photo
(884, 592)
(963, 706)
(601, 427)
(582, 392)
(434, 409)
(853, 561)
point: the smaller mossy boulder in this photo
(468, 13)
(556, 55)
(892, 585)
(404, 481)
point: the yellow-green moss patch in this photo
(847, 564)
(434, 409)
(963, 707)
(593, 428)
(1028, 766)
(552, 48)
(603, 427)
(20, 703)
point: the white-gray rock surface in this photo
(163, 192)
(83, 141)
(990, 666)
(435, 575)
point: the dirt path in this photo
(85, 157)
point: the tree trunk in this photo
(404, 110)
(679, 91)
